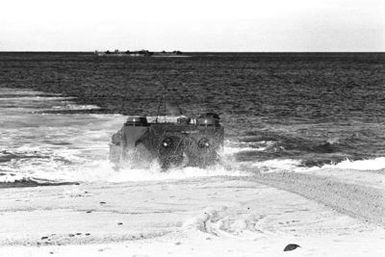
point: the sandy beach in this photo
(211, 216)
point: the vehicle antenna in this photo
(161, 100)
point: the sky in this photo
(194, 25)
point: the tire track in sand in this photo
(364, 203)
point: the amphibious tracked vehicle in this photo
(172, 141)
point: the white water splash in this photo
(372, 164)
(238, 147)
(276, 165)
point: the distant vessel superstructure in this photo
(140, 53)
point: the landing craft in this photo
(172, 141)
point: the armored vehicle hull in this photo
(184, 142)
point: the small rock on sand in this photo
(291, 247)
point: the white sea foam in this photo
(71, 106)
(103, 171)
(276, 165)
(232, 148)
(373, 164)
(229, 150)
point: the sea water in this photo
(281, 112)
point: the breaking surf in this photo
(40, 147)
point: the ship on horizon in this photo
(140, 53)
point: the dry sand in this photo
(212, 216)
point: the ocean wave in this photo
(234, 147)
(370, 164)
(8, 180)
(275, 165)
(104, 171)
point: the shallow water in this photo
(43, 147)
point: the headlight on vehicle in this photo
(168, 142)
(204, 143)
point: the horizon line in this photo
(93, 51)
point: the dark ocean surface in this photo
(314, 108)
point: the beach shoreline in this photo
(190, 217)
